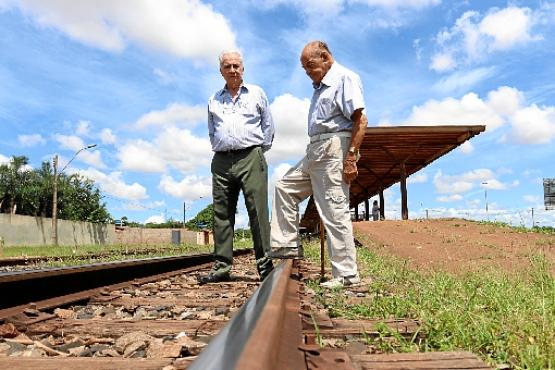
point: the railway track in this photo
(26, 263)
(160, 318)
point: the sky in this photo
(134, 77)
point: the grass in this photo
(58, 256)
(506, 319)
(520, 229)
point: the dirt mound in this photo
(456, 245)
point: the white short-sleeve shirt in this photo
(334, 101)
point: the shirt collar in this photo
(243, 88)
(329, 77)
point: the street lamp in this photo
(486, 198)
(55, 192)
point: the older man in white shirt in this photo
(336, 126)
(241, 129)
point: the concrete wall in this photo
(28, 230)
(135, 235)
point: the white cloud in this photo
(450, 184)
(457, 184)
(529, 124)
(327, 8)
(75, 143)
(70, 142)
(83, 128)
(190, 188)
(31, 140)
(141, 156)
(474, 36)
(290, 118)
(107, 136)
(443, 62)
(400, 3)
(113, 184)
(173, 147)
(534, 125)
(466, 147)
(323, 8)
(142, 206)
(463, 80)
(507, 27)
(493, 184)
(469, 110)
(173, 114)
(505, 100)
(4, 159)
(156, 219)
(184, 28)
(417, 178)
(450, 198)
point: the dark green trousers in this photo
(245, 170)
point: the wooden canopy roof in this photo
(390, 154)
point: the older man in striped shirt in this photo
(241, 130)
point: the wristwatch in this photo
(353, 152)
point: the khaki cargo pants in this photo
(319, 173)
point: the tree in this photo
(13, 177)
(29, 192)
(204, 217)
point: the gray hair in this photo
(319, 47)
(227, 52)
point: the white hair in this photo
(227, 52)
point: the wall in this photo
(135, 235)
(28, 230)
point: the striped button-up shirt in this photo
(242, 123)
(334, 101)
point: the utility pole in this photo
(184, 213)
(55, 203)
(55, 192)
(486, 198)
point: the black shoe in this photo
(212, 278)
(264, 274)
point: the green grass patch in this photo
(58, 256)
(85, 250)
(520, 229)
(505, 318)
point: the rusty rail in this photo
(32, 286)
(265, 333)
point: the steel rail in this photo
(18, 288)
(265, 333)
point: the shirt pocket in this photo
(325, 108)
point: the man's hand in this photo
(350, 171)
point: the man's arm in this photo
(360, 122)
(210, 122)
(266, 123)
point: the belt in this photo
(328, 135)
(238, 151)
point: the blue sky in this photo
(134, 77)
